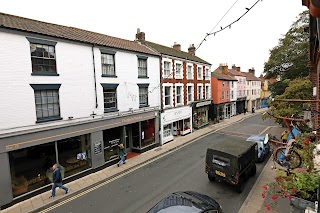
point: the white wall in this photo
(76, 76)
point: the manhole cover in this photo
(158, 149)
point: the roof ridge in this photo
(60, 25)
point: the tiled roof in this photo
(250, 77)
(70, 33)
(221, 76)
(173, 52)
(236, 73)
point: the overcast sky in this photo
(245, 44)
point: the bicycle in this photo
(285, 154)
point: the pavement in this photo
(254, 202)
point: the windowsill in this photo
(143, 77)
(109, 76)
(44, 74)
(111, 110)
(48, 119)
(143, 106)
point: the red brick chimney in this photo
(140, 36)
(176, 46)
(238, 69)
(223, 69)
(252, 71)
(234, 67)
(192, 49)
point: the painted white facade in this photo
(169, 116)
(76, 75)
(253, 90)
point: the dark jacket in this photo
(57, 178)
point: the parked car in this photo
(262, 144)
(187, 202)
(232, 162)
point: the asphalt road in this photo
(181, 170)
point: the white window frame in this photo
(189, 74)
(180, 74)
(166, 70)
(222, 95)
(190, 93)
(207, 73)
(181, 94)
(199, 95)
(199, 73)
(222, 84)
(227, 95)
(207, 92)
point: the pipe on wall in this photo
(94, 76)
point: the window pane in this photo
(74, 154)
(111, 139)
(147, 132)
(30, 168)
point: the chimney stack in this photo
(252, 71)
(223, 68)
(234, 67)
(176, 46)
(238, 69)
(140, 36)
(192, 50)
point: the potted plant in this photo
(301, 185)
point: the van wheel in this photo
(211, 177)
(253, 170)
(240, 186)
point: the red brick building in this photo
(185, 89)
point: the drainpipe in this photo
(94, 77)
(161, 103)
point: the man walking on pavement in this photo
(122, 153)
(57, 181)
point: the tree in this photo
(289, 58)
(278, 87)
(298, 89)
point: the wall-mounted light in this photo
(71, 117)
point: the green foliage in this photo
(297, 89)
(278, 88)
(302, 182)
(289, 58)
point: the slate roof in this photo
(236, 73)
(222, 76)
(250, 77)
(70, 33)
(173, 52)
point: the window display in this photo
(200, 116)
(111, 139)
(29, 167)
(74, 154)
(147, 132)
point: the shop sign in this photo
(176, 114)
(203, 103)
(97, 148)
(114, 142)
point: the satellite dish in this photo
(266, 139)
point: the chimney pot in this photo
(192, 49)
(140, 36)
(176, 46)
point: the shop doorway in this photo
(128, 138)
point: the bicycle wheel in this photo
(293, 161)
(309, 125)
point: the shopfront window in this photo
(167, 131)
(74, 154)
(111, 140)
(29, 167)
(136, 135)
(200, 116)
(147, 132)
